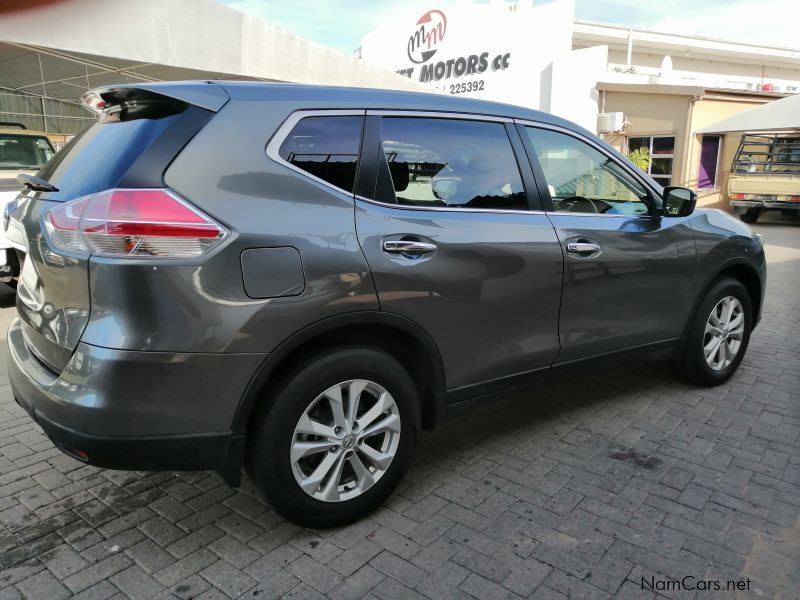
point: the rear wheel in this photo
(719, 334)
(337, 438)
(751, 215)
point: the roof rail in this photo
(12, 124)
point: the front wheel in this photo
(337, 437)
(719, 334)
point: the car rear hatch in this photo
(140, 130)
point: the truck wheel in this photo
(719, 334)
(751, 215)
(337, 437)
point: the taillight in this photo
(737, 196)
(141, 223)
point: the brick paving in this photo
(578, 490)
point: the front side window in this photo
(581, 179)
(455, 163)
(661, 149)
(325, 147)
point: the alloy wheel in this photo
(345, 440)
(723, 333)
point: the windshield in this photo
(24, 151)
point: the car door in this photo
(628, 273)
(453, 232)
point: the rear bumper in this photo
(742, 205)
(136, 410)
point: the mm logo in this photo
(424, 42)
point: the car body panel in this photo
(491, 288)
(53, 292)
(267, 206)
(102, 392)
(637, 290)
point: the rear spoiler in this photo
(109, 100)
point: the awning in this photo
(779, 115)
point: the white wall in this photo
(531, 37)
(573, 93)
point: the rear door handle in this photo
(407, 247)
(583, 247)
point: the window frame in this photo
(369, 176)
(652, 156)
(276, 141)
(653, 199)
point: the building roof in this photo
(693, 46)
(775, 116)
(684, 90)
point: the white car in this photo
(22, 152)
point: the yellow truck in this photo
(765, 175)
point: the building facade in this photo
(636, 87)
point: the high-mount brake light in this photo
(132, 222)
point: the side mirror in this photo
(678, 201)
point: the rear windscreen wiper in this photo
(36, 183)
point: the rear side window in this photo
(97, 158)
(325, 147)
(437, 162)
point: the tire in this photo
(299, 404)
(751, 215)
(694, 365)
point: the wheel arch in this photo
(738, 269)
(398, 336)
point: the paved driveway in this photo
(580, 489)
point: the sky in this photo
(342, 23)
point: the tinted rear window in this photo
(96, 159)
(325, 147)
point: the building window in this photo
(662, 154)
(709, 159)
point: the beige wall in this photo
(651, 114)
(708, 111)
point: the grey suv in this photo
(294, 280)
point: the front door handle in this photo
(583, 247)
(409, 247)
